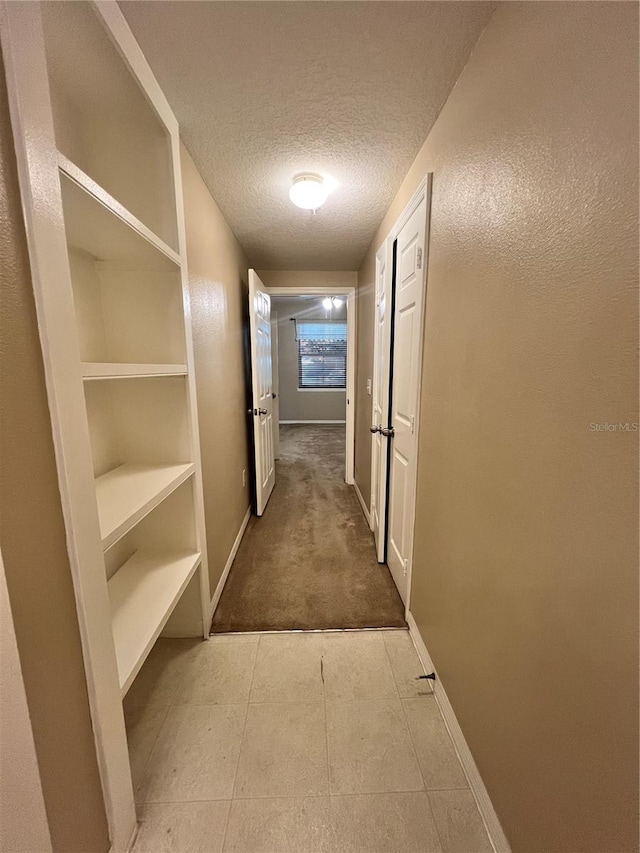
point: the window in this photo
(322, 355)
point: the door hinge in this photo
(406, 565)
(419, 258)
(413, 424)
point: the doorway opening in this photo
(309, 342)
(307, 560)
(313, 361)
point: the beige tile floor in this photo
(295, 743)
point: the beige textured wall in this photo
(23, 819)
(296, 404)
(525, 583)
(218, 288)
(34, 548)
(308, 278)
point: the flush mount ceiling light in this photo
(331, 302)
(308, 192)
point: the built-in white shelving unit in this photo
(95, 221)
(126, 494)
(98, 155)
(114, 370)
(142, 594)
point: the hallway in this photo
(409, 228)
(319, 742)
(309, 562)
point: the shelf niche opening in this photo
(143, 421)
(168, 529)
(153, 582)
(127, 294)
(103, 121)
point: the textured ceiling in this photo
(266, 90)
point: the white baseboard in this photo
(366, 512)
(312, 422)
(485, 806)
(228, 564)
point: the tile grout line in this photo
(306, 796)
(405, 718)
(326, 719)
(393, 672)
(406, 722)
(431, 695)
(426, 697)
(435, 823)
(143, 772)
(232, 635)
(424, 786)
(393, 675)
(244, 728)
(398, 698)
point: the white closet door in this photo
(407, 359)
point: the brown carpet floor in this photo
(310, 561)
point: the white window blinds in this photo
(322, 354)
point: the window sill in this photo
(322, 390)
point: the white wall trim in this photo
(321, 391)
(485, 806)
(312, 422)
(413, 204)
(227, 566)
(349, 292)
(365, 510)
(320, 290)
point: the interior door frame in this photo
(275, 383)
(350, 294)
(423, 192)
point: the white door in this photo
(380, 402)
(261, 383)
(275, 376)
(408, 288)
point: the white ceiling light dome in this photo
(308, 191)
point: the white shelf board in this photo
(116, 370)
(143, 594)
(129, 492)
(98, 224)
